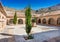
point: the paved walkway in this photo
(20, 29)
(4, 38)
(40, 33)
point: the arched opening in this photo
(20, 21)
(51, 21)
(39, 21)
(11, 21)
(58, 21)
(44, 21)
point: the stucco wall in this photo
(8, 19)
(55, 17)
(2, 22)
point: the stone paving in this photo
(20, 29)
(40, 32)
(4, 38)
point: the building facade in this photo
(7, 14)
(50, 18)
(2, 18)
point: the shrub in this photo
(34, 20)
(15, 19)
(28, 21)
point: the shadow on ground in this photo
(50, 36)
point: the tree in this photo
(15, 19)
(28, 21)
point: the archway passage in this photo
(58, 21)
(20, 21)
(44, 21)
(39, 21)
(51, 21)
(11, 21)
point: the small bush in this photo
(34, 20)
(15, 18)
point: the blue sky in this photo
(35, 4)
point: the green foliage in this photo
(15, 19)
(34, 20)
(28, 20)
(28, 29)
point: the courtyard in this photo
(18, 17)
(20, 29)
(40, 33)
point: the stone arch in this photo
(11, 21)
(58, 21)
(51, 21)
(20, 21)
(39, 21)
(44, 21)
